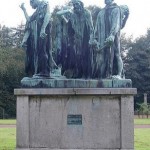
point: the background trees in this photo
(135, 54)
(137, 64)
(11, 69)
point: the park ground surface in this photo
(141, 134)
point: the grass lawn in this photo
(142, 121)
(142, 139)
(7, 121)
(136, 121)
(7, 138)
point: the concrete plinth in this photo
(75, 118)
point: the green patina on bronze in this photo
(75, 83)
(83, 52)
(75, 27)
(37, 40)
(107, 61)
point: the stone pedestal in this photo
(75, 118)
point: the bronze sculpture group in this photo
(83, 51)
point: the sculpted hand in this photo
(43, 34)
(110, 40)
(23, 45)
(94, 44)
(22, 6)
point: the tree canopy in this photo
(135, 53)
(11, 70)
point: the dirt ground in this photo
(8, 126)
(142, 126)
(141, 117)
(135, 126)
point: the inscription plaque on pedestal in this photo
(74, 119)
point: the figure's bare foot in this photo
(40, 75)
(116, 77)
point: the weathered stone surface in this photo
(76, 91)
(23, 121)
(74, 83)
(107, 119)
(100, 126)
(127, 122)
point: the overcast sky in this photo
(138, 22)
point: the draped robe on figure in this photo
(109, 22)
(38, 50)
(76, 55)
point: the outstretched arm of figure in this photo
(125, 14)
(45, 22)
(24, 11)
(27, 33)
(63, 13)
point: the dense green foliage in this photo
(137, 64)
(11, 71)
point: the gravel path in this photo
(142, 126)
(14, 126)
(8, 126)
